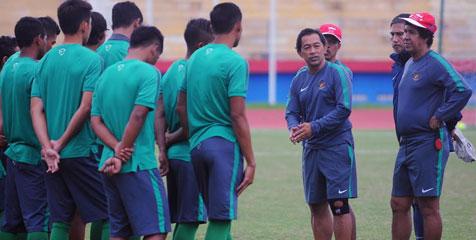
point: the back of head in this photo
(198, 30)
(98, 27)
(50, 26)
(124, 14)
(72, 13)
(7, 47)
(398, 18)
(224, 17)
(27, 29)
(145, 36)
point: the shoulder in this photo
(436, 60)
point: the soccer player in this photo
(60, 108)
(52, 31)
(126, 17)
(333, 35)
(214, 101)
(317, 113)
(420, 123)
(98, 31)
(8, 47)
(185, 202)
(25, 194)
(123, 115)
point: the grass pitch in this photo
(274, 206)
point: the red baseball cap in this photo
(330, 29)
(423, 20)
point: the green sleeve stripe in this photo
(351, 155)
(236, 161)
(158, 199)
(450, 70)
(440, 159)
(345, 67)
(345, 87)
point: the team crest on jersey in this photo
(321, 84)
(180, 67)
(209, 50)
(416, 76)
(108, 47)
(62, 51)
(120, 67)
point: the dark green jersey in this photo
(214, 73)
(62, 76)
(169, 87)
(121, 87)
(15, 88)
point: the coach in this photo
(317, 113)
(420, 122)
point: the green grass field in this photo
(274, 207)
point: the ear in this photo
(37, 40)
(200, 44)
(299, 53)
(137, 23)
(339, 45)
(83, 26)
(4, 60)
(238, 27)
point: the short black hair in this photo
(224, 17)
(72, 13)
(309, 31)
(124, 13)
(398, 18)
(51, 27)
(27, 29)
(98, 26)
(144, 36)
(424, 33)
(7, 46)
(197, 30)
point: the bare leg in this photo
(321, 221)
(342, 224)
(78, 227)
(429, 207)
(162, 236)
(401, 222)
(354, 225)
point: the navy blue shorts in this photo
(137, 204)
(76, 186)
(185, 201)
(3, 167)
(420, 167)
(25, 198)
(218, 166)
(329, 173)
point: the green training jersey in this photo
(171, 83)
(113, 51)
(61, 77)
(214, 73)
(15, 89)
(121, 87)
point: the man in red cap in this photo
(333, 35)
(423, 110)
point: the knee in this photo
(399, 205)
(339, 206)
(318, 208)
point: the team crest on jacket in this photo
(321, 84)
(416, 76)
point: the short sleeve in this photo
(238, 76)
(147, 91)
(95, 109)
(35, 89)
(94, 72)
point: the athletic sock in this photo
(229, 236)
(100, 230)
(185, 231)
(175, 231)
(134, 238)
(60, 231)
(37, 236)
(7, 236)
(218, 230)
